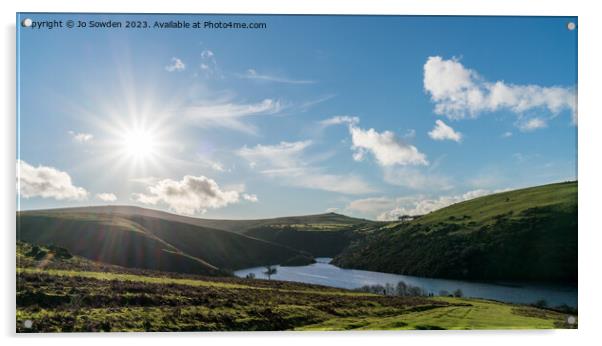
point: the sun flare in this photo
(139, 144)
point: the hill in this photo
(58, 292)
(318, 235)
(141, 240)
(526, 234)
(319, 239)
(318, 243)
(326, 220)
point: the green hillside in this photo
(57, 292)
(140, 241)
(318, 239)
(526, 234)
(318, 221)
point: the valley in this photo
(123, 268)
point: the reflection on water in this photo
(323, 273)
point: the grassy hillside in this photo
(60, 293)
(147, 242)
(318, 221)
(325, 240)
(526, 234)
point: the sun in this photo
(139, 144)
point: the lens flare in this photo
(139, 144)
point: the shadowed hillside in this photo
(319, 243)
(237, 226)
(141, 241)
(526, 234)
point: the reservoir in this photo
(323, 273)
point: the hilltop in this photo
(150, 239)
(236, 226)
(526, 234)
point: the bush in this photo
(60, 252)
(402, 289)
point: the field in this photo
(58, 292)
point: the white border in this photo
(590, 159)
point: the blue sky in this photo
(368, 116)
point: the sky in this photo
(367, 116)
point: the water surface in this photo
(323, 273)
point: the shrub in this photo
(402, 289)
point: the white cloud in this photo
(388, 150)
(442, 132)
(288, 163)
(282, 155)
(175, 65)
(253, 74)
(409, 134)
(249, 197)
(392, 154)
(532, 124)
(507, 134)
(218, 166)
(387, 209)
(332, 210)
(46, 182)
(340, 119)
(421, 206)
(230, 115)
(209, 65)
(417, 179)
(145, 180)
(459, 92)
(207, 54)
(106, 197)
(370, 206)
(341, 183)
(190, 195)
(214, 165)
(81, 137)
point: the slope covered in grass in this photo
(526, 234)
(60, 293)
(318, 242)
(140, 241)
(325, 221)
